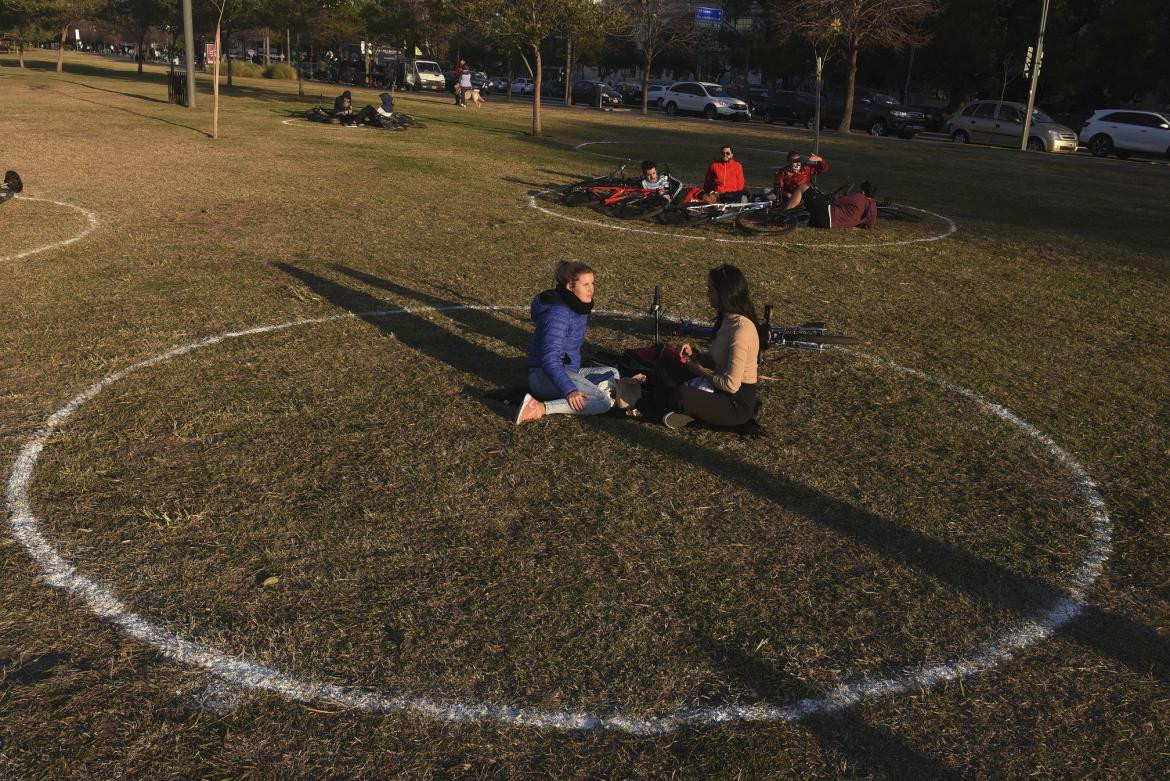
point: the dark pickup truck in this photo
(874, 111)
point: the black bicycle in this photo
(12, 185)
(777, 220)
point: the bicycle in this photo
(777, 220)
(812, 336)
(697, 212)
(590, 190)
(11, 186)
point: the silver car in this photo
(1001, 123)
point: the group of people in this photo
(377, 116)
(724, 183)
(717, 386)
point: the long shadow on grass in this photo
(1115, 636)
(140, 114)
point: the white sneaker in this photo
(676, 420)
(530, 409)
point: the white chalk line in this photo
(91, 224)
(1000, 647)
(952, 227)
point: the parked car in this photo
(523, 86)
(787, 106)
(499, 83)
(874, 111)
(935, 119)
(425, 74)
(630, 91)
(552, 88)
(756, 96)
(1001, 123)
(586, 92)
(655, 91)
(1124, 132)
(701, 97)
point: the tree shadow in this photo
(140, 114)
(1115, 636)
(117, 92)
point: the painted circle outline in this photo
(952, 227)
(1001, 646)
(91, 225)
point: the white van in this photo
(425, 74)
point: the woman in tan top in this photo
(721, 388)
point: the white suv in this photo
(1124, 132)
(704, 98)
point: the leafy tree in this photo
(529, 25)
(21, 18)
(855, 25)
(657, 25)
(140, 16)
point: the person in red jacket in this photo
(793, 179)
(724, 181)
(858, 210)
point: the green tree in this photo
(140, 16)
(855, 25)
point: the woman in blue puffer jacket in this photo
(558, 384)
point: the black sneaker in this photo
(676, 420)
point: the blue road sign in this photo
(705, 15)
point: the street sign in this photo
(209, 54)
(706, 15)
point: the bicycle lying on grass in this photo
(813, 335)
(11, 186)
(775, 219)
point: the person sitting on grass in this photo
(857, 210)
(717, 386)
(795, 178)
(558, 384)
(660, 183)
(343, 109)
(724, 180)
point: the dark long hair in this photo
(732, 294)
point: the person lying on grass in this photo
(717, 386)
(652, 180)
(558, 384)
(857, 210)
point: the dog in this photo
(472, 95)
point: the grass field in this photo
(346, 501)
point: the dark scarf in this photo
(574, 303)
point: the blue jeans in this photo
(597, 401)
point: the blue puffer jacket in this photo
(556, 345)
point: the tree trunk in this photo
(141, 43)
(215, 80)
(536, 79)
(301, 69)
(847, 110)
(645, 81)
(569, 71)
(61, 50)
(20, 50)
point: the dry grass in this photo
(421, 543)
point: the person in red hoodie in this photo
(724, 181)
(793, 179)
(857, 210)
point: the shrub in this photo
(241, 70)
(280, 70)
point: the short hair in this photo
(726, 146)
(648, 164)
(347, 94)
(568, 271)
(868, 188)
(793, 155)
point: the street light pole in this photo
(1035, 78)
(189, 52)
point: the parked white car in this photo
(523, 86)
(1124, 132)
(655, 93)
(702, 97)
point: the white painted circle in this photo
(295, 122)
(951, 228)
(1000, 647)
(91, 222)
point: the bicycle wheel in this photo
(578, 196)
(892, 211)
(638, 209)
(828, 339)
(766, 221)
(684, 216)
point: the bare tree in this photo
(855, 25)
(657, 25)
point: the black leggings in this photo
(669, 391)
(818, 208)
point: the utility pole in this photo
(189, 52)
(817, 129)
(1035, 78)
